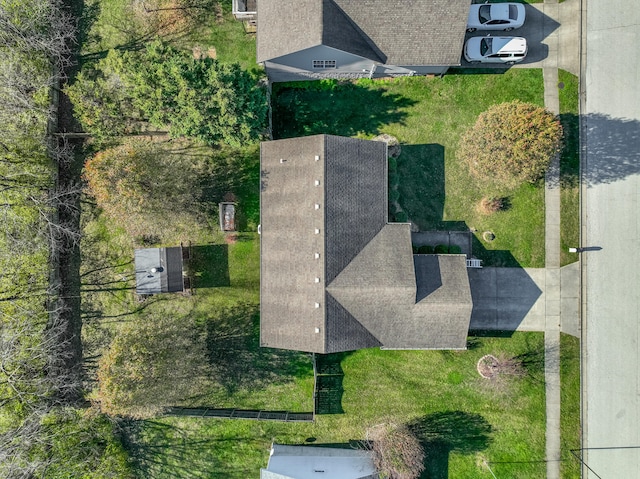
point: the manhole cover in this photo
(561, 85)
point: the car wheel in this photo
(508, 29)
(471, 30)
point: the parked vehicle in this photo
(496, 16)
(490, 49)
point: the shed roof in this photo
(415, 32)
(312, 462)
(335, 276)
(158, 270)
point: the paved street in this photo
(611, 277)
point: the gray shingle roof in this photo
(416, 32)
(335, 276)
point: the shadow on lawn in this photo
(442, 433)
(209, 266)
(328, 383)
(302, 109)
(233, 347)
(157, 449)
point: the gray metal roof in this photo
(306, 462)
(414, 32)
(335, 276)
(158, 270)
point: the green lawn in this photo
(428, 116)
(462, 419)
(569, 404)
(569, 167)
(123, 24)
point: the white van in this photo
(490, 49)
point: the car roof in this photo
(500, 11)
(508, 44)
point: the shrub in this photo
(511, 143)
(441, 249)
(397, 453)
(489, 205)
(455, 249)
(425, 249)
(393, 164)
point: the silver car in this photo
(496, 16)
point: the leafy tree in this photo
(200, 98)
(150, 365)
(102, 105)
(144, 188)
(511, 143)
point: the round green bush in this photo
(425, 249)
(441, 249)
(455, 249)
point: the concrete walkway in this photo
(563, 47)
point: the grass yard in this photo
(569, 405)
(124, 24)
(428, 116)
(569, 167)
(462, 420)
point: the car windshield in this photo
(485, 46)
(513, 12)
(484, 13)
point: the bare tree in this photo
(38, 26)
(397, 453)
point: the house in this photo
(315, 39)
(335, 274)
(159, 270)
(310, 462)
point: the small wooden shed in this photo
(159, 270)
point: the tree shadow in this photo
(442, 433)
(157, 450)
(308, 108)
(570, 156)
(233, 348)
(612, 149)
(209, 266)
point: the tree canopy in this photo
(193, 97)
(511, 143)
(146, 188)
(152, 364)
